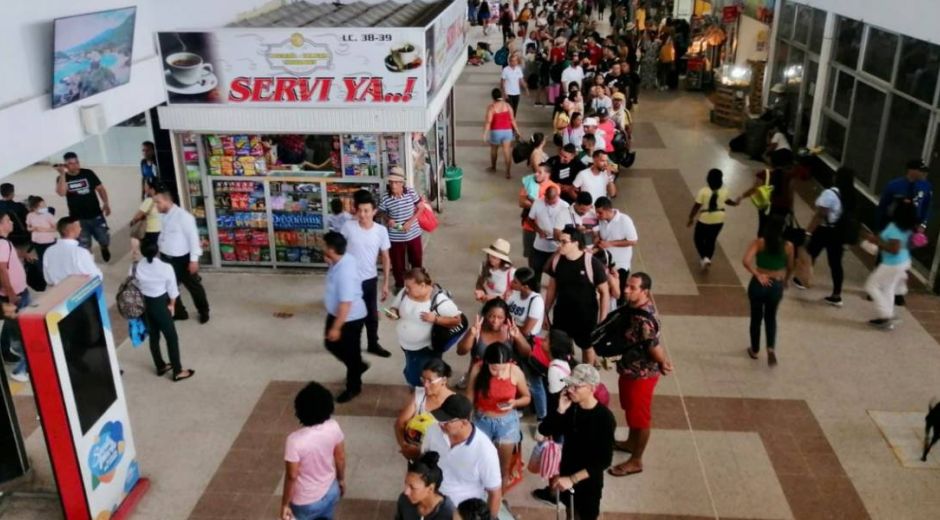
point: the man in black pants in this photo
(346, 313)
(180, 247)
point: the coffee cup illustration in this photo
(403, 57)
(188, 68)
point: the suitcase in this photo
(569, 511)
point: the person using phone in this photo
(82, 190)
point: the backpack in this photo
(609, 337)
(443, 338)
(501, 57)
(521, 151)
(129, 299)
(848, 228)
(761, 196)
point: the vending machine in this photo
(80, 399)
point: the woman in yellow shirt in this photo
(709, 207)
(147, 210)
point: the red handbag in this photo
(426, 217)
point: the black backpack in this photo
(522, 150)
(609, 337)
(848, 227)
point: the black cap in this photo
(918, 164)
(456, 406)
(602, 112)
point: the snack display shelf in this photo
(242, 221)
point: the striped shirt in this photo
(401, 209)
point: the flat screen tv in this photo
(92, 54)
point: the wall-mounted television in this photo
(92, 53)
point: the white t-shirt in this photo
(558, 369)
(364, 245)
(780, 140)
(413, 332)
(498, 282)
(595, 184)
(573, 136)
(534, 305)
(512, 76)
(549, 218)
(589, 218)
(619, 228)
(830, 200)
(470, 468)
(571, 74)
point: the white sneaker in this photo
(22, 377)
(708, 262)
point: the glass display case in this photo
(241, 220)
(189, 144)
(297, 215)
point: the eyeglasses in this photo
(425, 381)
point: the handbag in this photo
(761, 196)
(545, 458)
(444, 338)
(426, 217)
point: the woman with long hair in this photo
(495, 273)
(887, 280)
(709, 208)
(770, 260)
(826, 229)
(415, 417)
(575, 131)
(538, 155)
(493, 324)
(157, 283)
(499, 129)
(497, 388)
(422, 498)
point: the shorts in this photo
(498, 137)
(577, 324)
(501, 430)
(636, 399)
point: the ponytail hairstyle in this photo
(845, 183)
(537, 139)
(426, 467)
(149, 249)
(496, 353)
(714, 180)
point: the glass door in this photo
(195, 203)
(297, 210)
(242, 222)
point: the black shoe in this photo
(545, 495)
(181, 316)
(377, 350)
(365, 367)
(835, 301)
(798, 284)
(882, 323)
(11, 358)
(204, 318)
(105, 254)
(347, 395)
(899, 300)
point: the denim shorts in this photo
(501, 430)
(500, 136)
(323, 508)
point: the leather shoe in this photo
(204, 318)
(377, 350)
(347, 395)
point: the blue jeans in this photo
(11, 340)
(321, 509)
(415, 360)
(96, 228)
(539, 395)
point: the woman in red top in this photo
(497, 388)
(499, 130)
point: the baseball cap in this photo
(620, 96)
(918, 164)
(583, 374)
(457, 406)
(602, 111)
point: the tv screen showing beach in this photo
(92, 54)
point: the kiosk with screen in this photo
(80, 398)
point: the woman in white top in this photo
(527, 308)
(157, 283)
(417, 309)
(575, 131)
(415, 417)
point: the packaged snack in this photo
(228, 165)
(228, 145)
(215, 165)
(242, 145)
(261, 166)
(255, 254)
(228, 252)
(214, 144)
(265, 254)
(243, 252)
(248, 165)
(192, 172)
(238, 169)
(257, 149)
(190, 155)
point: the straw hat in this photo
(395, 173)
(500, 249)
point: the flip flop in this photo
(614, 472)
(166, 368)
(181, 377)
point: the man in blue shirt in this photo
(913, 186)
(346, 313)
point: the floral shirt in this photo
(637, 363)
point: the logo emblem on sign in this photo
(298, 56)
(106, 453)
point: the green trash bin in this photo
(453, 177)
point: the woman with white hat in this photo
(495, 273)
(399, 207)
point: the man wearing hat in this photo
(399, 207)
(606, 126)
(620, 115)
(588, 429)
(468, 458)
(590, 127)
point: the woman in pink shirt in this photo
(42, 226)
(315, 456)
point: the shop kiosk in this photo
(80, 398)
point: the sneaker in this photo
(835, 301)
(899, 300)
(22, 377)
(882, 323)
(377, 350)
(105, 254)
(707, 262)
(545, 495)
(798, 283)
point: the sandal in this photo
(184, 375)
(618, 471)
(166, 368)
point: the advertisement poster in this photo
(316, 67)
(446, 41)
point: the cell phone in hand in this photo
(391, 313)
(506, 405)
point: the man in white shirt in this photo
(572, 74)
(617, 235)
(777, 141)
(513, 81)
(180, 247)
(596, 180)
(366, 241)
(468, 458)
(548, 216)
(66, 257)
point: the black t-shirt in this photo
(563, 173)
(589, 441)
(574, 290)
(80, 194)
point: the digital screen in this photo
(86, 355)
(93, 53)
